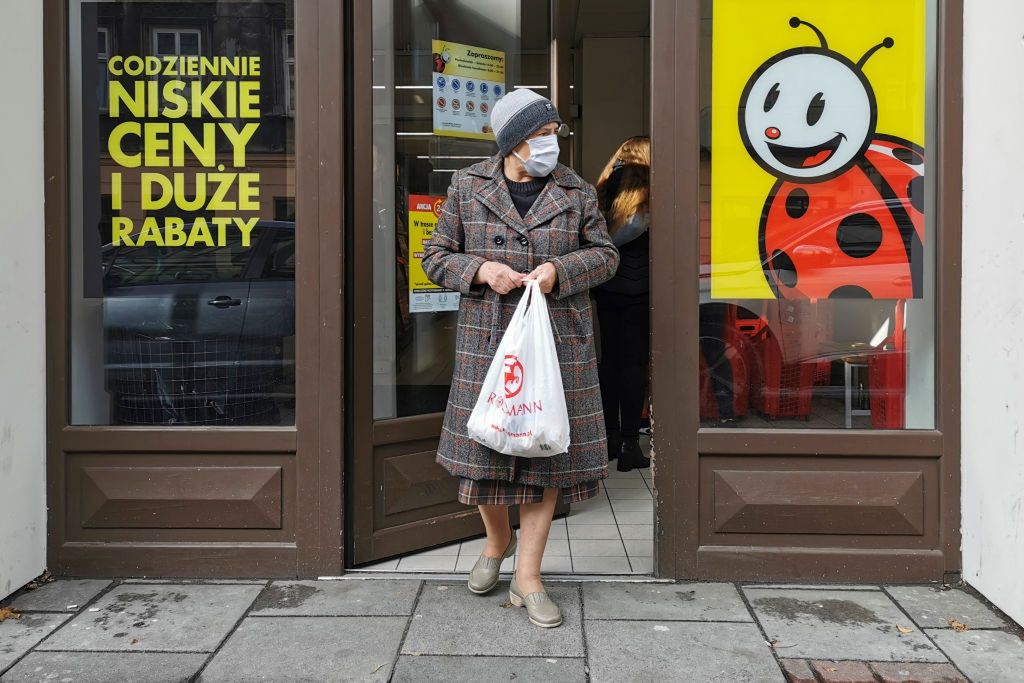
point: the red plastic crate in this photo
(739, 352)
(887, 378)
(780, 389)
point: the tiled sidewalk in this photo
(612, 533)
(401, 629)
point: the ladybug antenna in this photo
(797, 21)
(887, 43)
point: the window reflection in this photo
(182, 157)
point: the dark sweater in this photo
(525, 194)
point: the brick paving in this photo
(420, 628)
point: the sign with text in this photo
(468, 81)
(424, 295)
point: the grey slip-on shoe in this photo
(483, 577)
(541, 609)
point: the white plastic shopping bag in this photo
(521, 408)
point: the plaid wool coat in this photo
(479, 223)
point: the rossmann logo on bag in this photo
(521, 407)
(515, 376)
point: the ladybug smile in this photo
(806, 157)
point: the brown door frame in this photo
(309, 540)
(679, 440)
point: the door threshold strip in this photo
(361, 574)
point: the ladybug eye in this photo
(771, 98)
(815, 109)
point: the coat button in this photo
(523, 241)
(499, 240)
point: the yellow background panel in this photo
(746, 33)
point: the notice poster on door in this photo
(817, 186)
(468, 81)
(424, 295)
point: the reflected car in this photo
(201, 335)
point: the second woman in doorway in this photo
(623, 303)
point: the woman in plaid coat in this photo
(516, 216)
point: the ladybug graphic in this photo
(846, 217)
(441, 60)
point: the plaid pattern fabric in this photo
(479, 223)
(494, 492)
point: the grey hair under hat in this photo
(518, 114)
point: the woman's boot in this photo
(632, 457)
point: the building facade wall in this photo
(22, 331)
(993, 306)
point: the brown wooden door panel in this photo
(122, 498)
(815, 502)
(181, 497)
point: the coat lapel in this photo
(552, 200)
(493, 193)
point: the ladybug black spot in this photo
(908, 156)
(859, 235)
(797, 203)
(915, 192)
(850, 292)
(784, 269)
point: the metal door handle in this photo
(224, 301)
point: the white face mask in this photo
(543, 155)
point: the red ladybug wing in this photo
(833, 239)
(901, 163)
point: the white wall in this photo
(22, 366)
(993, 303)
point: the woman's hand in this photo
(545, 275)
(498, 277)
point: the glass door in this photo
(421, 113)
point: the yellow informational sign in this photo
(468, 81)
(817, 185)
(424, 295)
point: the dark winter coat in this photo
(479, 223)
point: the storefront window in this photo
(438, 67)
(182, 260)
(817, 241)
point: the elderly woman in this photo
(518, 216)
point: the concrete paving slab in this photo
(449, 620)
(336, 598)
(828, 624)
(18, 636)
(916, 672)
(104, 667)
(169, 618)
(932, 607)
(622, 651)
(308, 649)
(662, 602)
(984, 656)
(474, 669)
(261, 582)
(68, 595)
(816, 586)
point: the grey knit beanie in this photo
(518, 114)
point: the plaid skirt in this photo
(497, 492)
